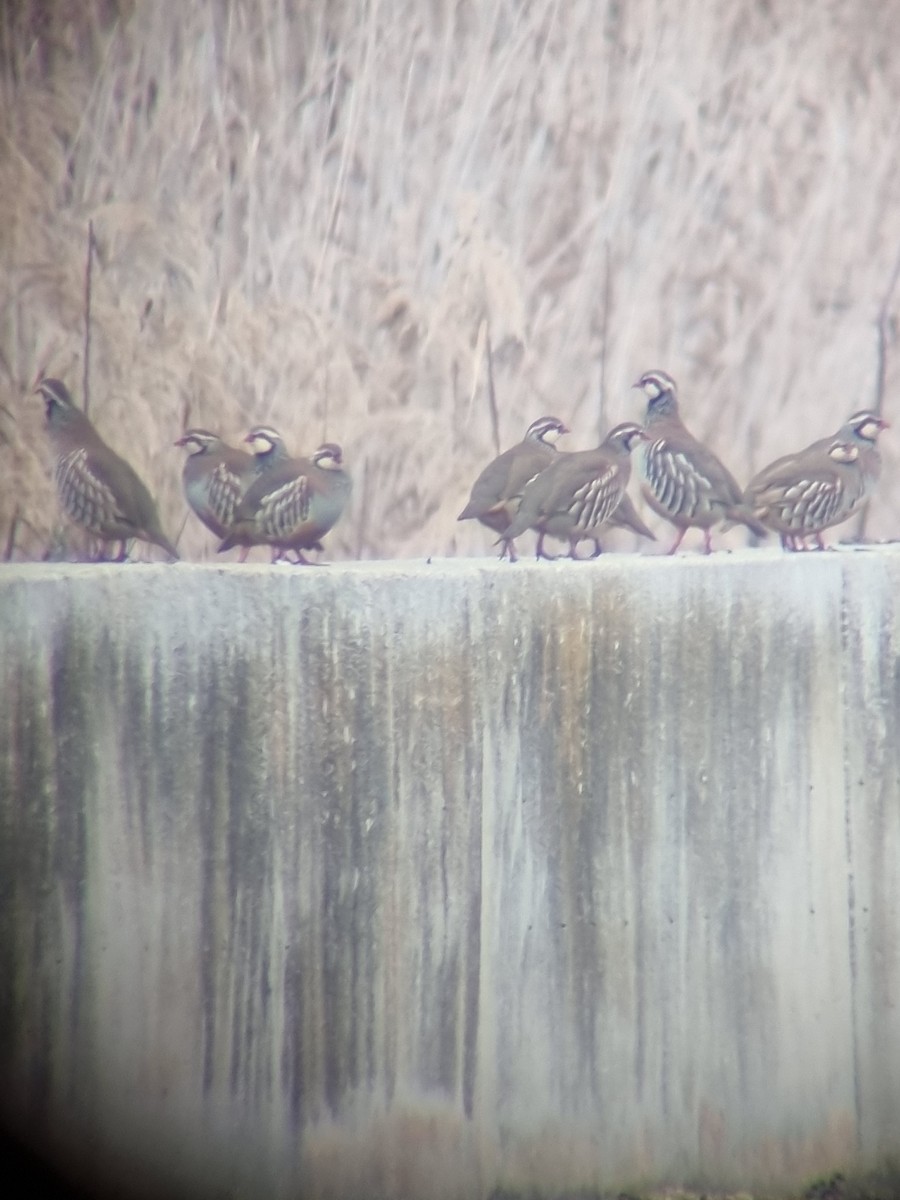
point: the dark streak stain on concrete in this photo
(536, 874)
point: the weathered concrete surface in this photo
(423, 880)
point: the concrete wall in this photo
(427, 880)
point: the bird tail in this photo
(159, 539)
(626, 516)
(740, 514)
(226, 543)
(515, 528)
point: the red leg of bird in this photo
(819, 542)
(598, 549)
(678, 540)
(508, 550)
(242, 557)
(707, 541)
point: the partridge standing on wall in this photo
(97, 488)
(293, 502)
(214, 478)
(576, 495)
(497, 491)
(800, 495)
(269, 453)
(683, 480)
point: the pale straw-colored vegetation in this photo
(314, 214)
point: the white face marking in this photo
(844, 454)
(260, 444)
(551, 435)
(652, 388)
(869, 431)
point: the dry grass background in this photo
(308, 212)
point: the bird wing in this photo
(224, 493)
(587, 490)
(592, 501)
(687, 476)
(532, 459)
(282, 510)
(505, 478)
(86, 494)
(810, 499)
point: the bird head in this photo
(328, 456)
(626, 436)
(264, 440)
(865, 426)
(546, 429)
(197, 441)
(661, 392)
(60, 406)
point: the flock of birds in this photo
(264, 496)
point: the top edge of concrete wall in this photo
(415, 566)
